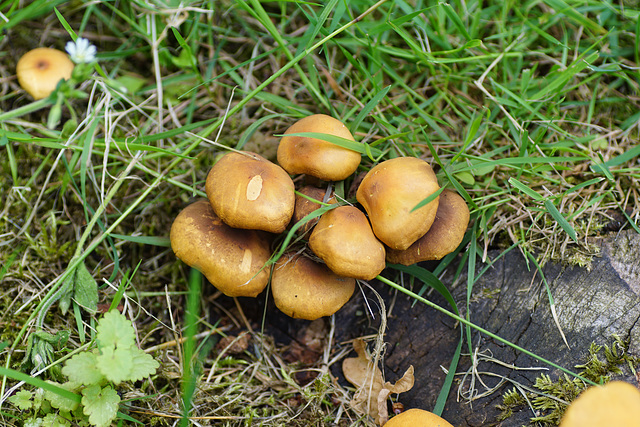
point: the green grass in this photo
(528, 109)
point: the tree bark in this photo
(511, 300)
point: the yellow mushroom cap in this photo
(316, 157)
(444, 236)
(615, 404)
(343, 239)
(40, 70)
(305, 289)
(248, 191)
(417, 418)
(390, 191)
(233, 260)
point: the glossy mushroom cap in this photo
(444, 236)
(305, 206)
(233, 260)
(389, 192)
(614, 404)
(248, 191)
(343, 239)
(40, 70)
(316, 157)
(305, 289)
(417, 418)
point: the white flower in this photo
(81, 52)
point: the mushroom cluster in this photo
(405, 218)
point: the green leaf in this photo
(427, 277)
(560, 219)
(82, 369)
(116, 363)
(360, 147)
(36, 422)
(570, 12)
(85, 289)
(373, 102)
(100, 404)
(526, 190)
(143, 365)
(132, 84)
(22, 400)
(58, 400)
(428, 200)
(114, 330)
(37, 382)
(54, 420)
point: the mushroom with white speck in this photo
(248, 191)
(233, 260)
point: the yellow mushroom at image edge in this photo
(444, 236)
(343, 239)
(417, 418)
(390, 191)
(316, 157)
(233, 260)
(40, 70)
(615, 404)
(248, 191)
(306, 289)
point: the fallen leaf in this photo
(403, 384)
(372, 391)
(362, 373)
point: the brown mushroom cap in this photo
(305, 289)
(304, 206)
(343, 239)
(40, 70)
(248, 191)
(232, 259)
(417, 418)
(444, 236)
(389, 192)
(615, 404)
(316, 157)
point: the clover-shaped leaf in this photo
(115, 363)
(114, 330)
(100, 404)
(83, 369)
(22, 400)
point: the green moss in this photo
(553, 396)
